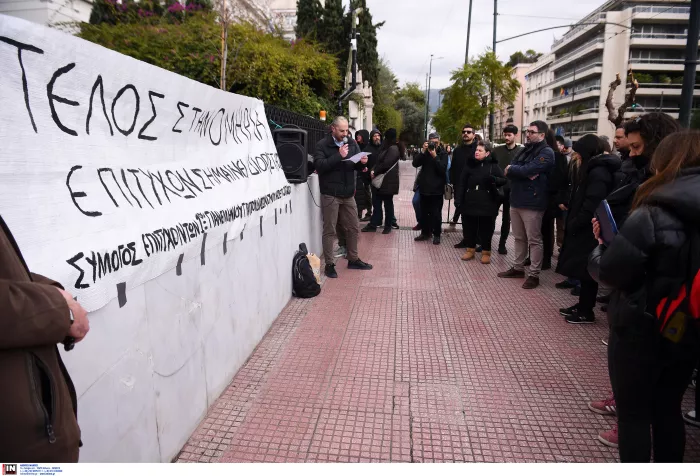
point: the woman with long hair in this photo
(387, 164)
(650, 368)
(594, 182)
(645, 133)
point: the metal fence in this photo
(315, 129)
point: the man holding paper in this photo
(336, 161)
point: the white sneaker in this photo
(341, 252)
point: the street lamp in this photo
(427, 101)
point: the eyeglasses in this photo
(467, 132)
(533, 132)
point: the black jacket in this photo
(505, 156)
(460, 157)
(588, 193)
(634, 172)
(432, 177)
(558, 182)
(648, 253)
(336, 177)
(477, 191)
(388, 159)
(536, 159)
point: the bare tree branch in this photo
(629, 99)
(618, 116)
(612, 114)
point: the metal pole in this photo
(493, 89)
(469, 29)
(691, 59)
(427, 102)
(573, 94)
(426, 106)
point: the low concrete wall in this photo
(147, 373)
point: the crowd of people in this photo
(549, 192)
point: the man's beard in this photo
(377, 142)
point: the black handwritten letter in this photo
(196, 111)
(223, 112)
(33, 49)
(52, 97)
(135, 172)
(136, 110)
(98, 82)
(74, 195)
(78, 282)
(182, 114)
(151, 95)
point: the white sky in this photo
(415, 29)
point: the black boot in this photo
(461, 244)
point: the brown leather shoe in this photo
(485, 257)
(469, 255)
(531, 282)
(512, 273)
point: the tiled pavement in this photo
(424, 358)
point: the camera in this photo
(431, 146)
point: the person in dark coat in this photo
(336, 180)
(478, 195)
(528, 174)
(431, 185)
(460, 156)
(504, 155)
(388, 164)
(595, 182)
(644, 264)
(646, 133)
(558, 185)
(38, 404)
(363, 196)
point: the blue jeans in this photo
(416, 204)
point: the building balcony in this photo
(576, 32)
(585, 72)
(661, 14)
(597, 44)
(651, 64)
(665, 89)
(583, 115)
(658, 39)
(581, 94)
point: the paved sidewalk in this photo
(424, 358)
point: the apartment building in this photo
(537, 79)
(513, 112)
(48, 12)
(647, 36)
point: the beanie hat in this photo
(588, 146)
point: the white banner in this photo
(113, 171)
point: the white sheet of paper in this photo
(357, 157)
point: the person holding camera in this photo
(431, 185)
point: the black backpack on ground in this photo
(304, 283)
